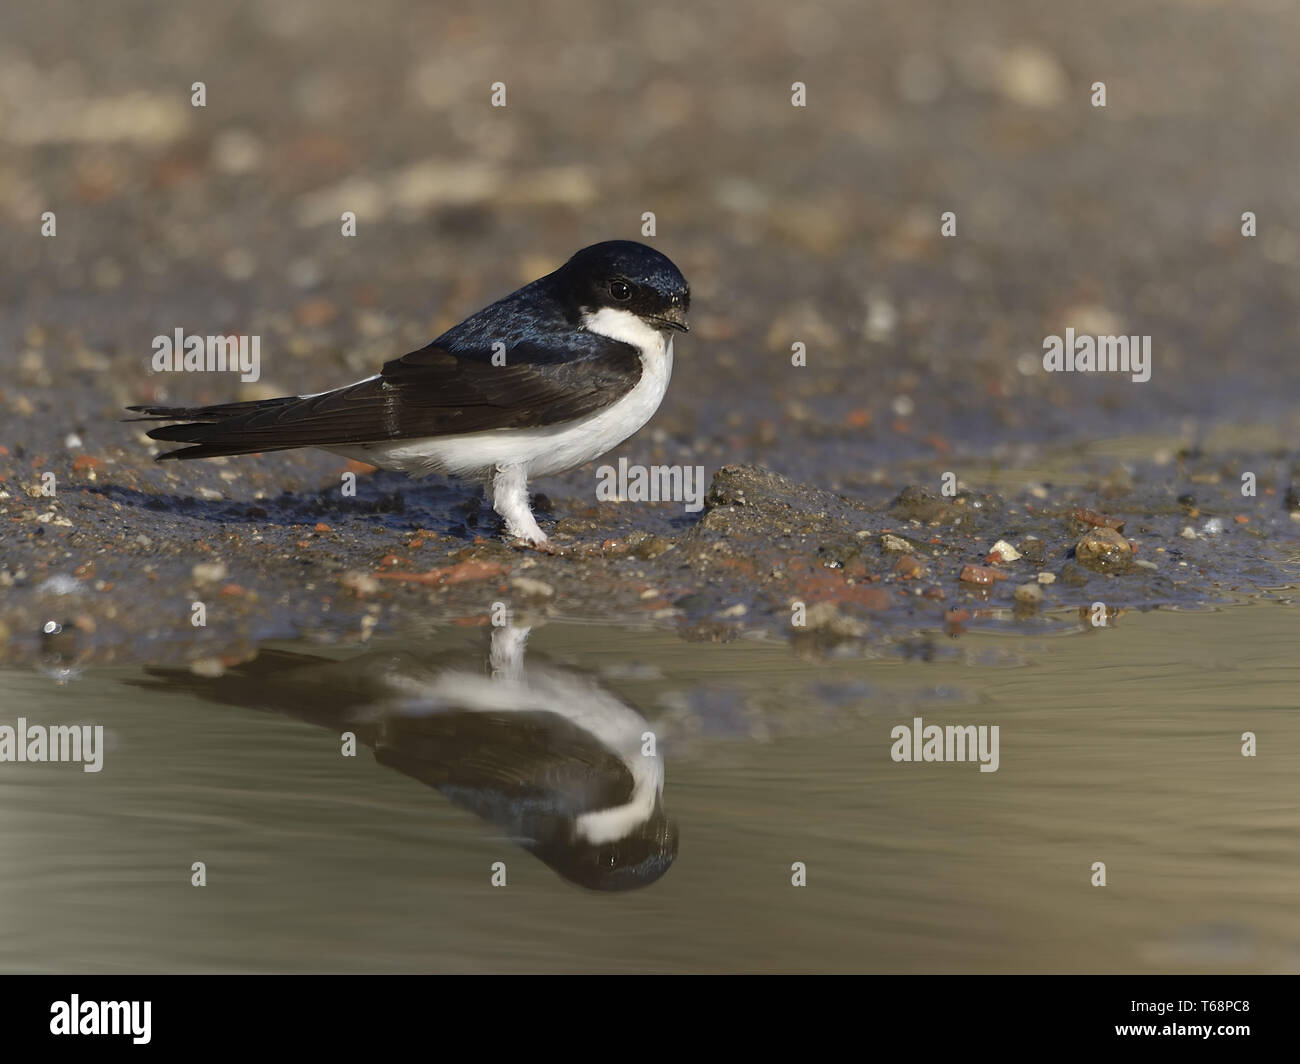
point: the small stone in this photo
(1029, 594)
(205, 573)
(909, 567)
(1093, 518)
(359, 583)
(1007, 552)
(534, 589)
(982, 575)
(1033, 77)
(916, 504)
(1047, 578)
(1104, 550)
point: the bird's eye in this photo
(620, 290)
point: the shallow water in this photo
(1128, 754)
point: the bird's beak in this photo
(673, 318)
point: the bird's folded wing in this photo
(429, 392)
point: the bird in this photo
(540, 382)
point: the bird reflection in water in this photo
(567, 770)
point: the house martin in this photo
(542, 381)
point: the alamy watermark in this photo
(180, 353)
(102, 1017)
(954, 742)
(58, 742)
(1098, 354)
(638, 483)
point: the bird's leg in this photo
(509, 493)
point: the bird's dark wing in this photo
(430, 392)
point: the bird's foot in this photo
(543, 547)
(526, 535)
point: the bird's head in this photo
(619, 284)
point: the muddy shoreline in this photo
(116, 567)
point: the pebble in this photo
(531, 588)
(910, 567)
(208, 573)
(1006, 550)
(979, 574)
(359, 583)
(1031, 76)
(1029, 594)
(1092, 517)
(1103, 549)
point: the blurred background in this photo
(817, 224)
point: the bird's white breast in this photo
(550, 448)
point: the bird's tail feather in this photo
(219, 412)
(204, 428)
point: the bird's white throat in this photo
(626, 327)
